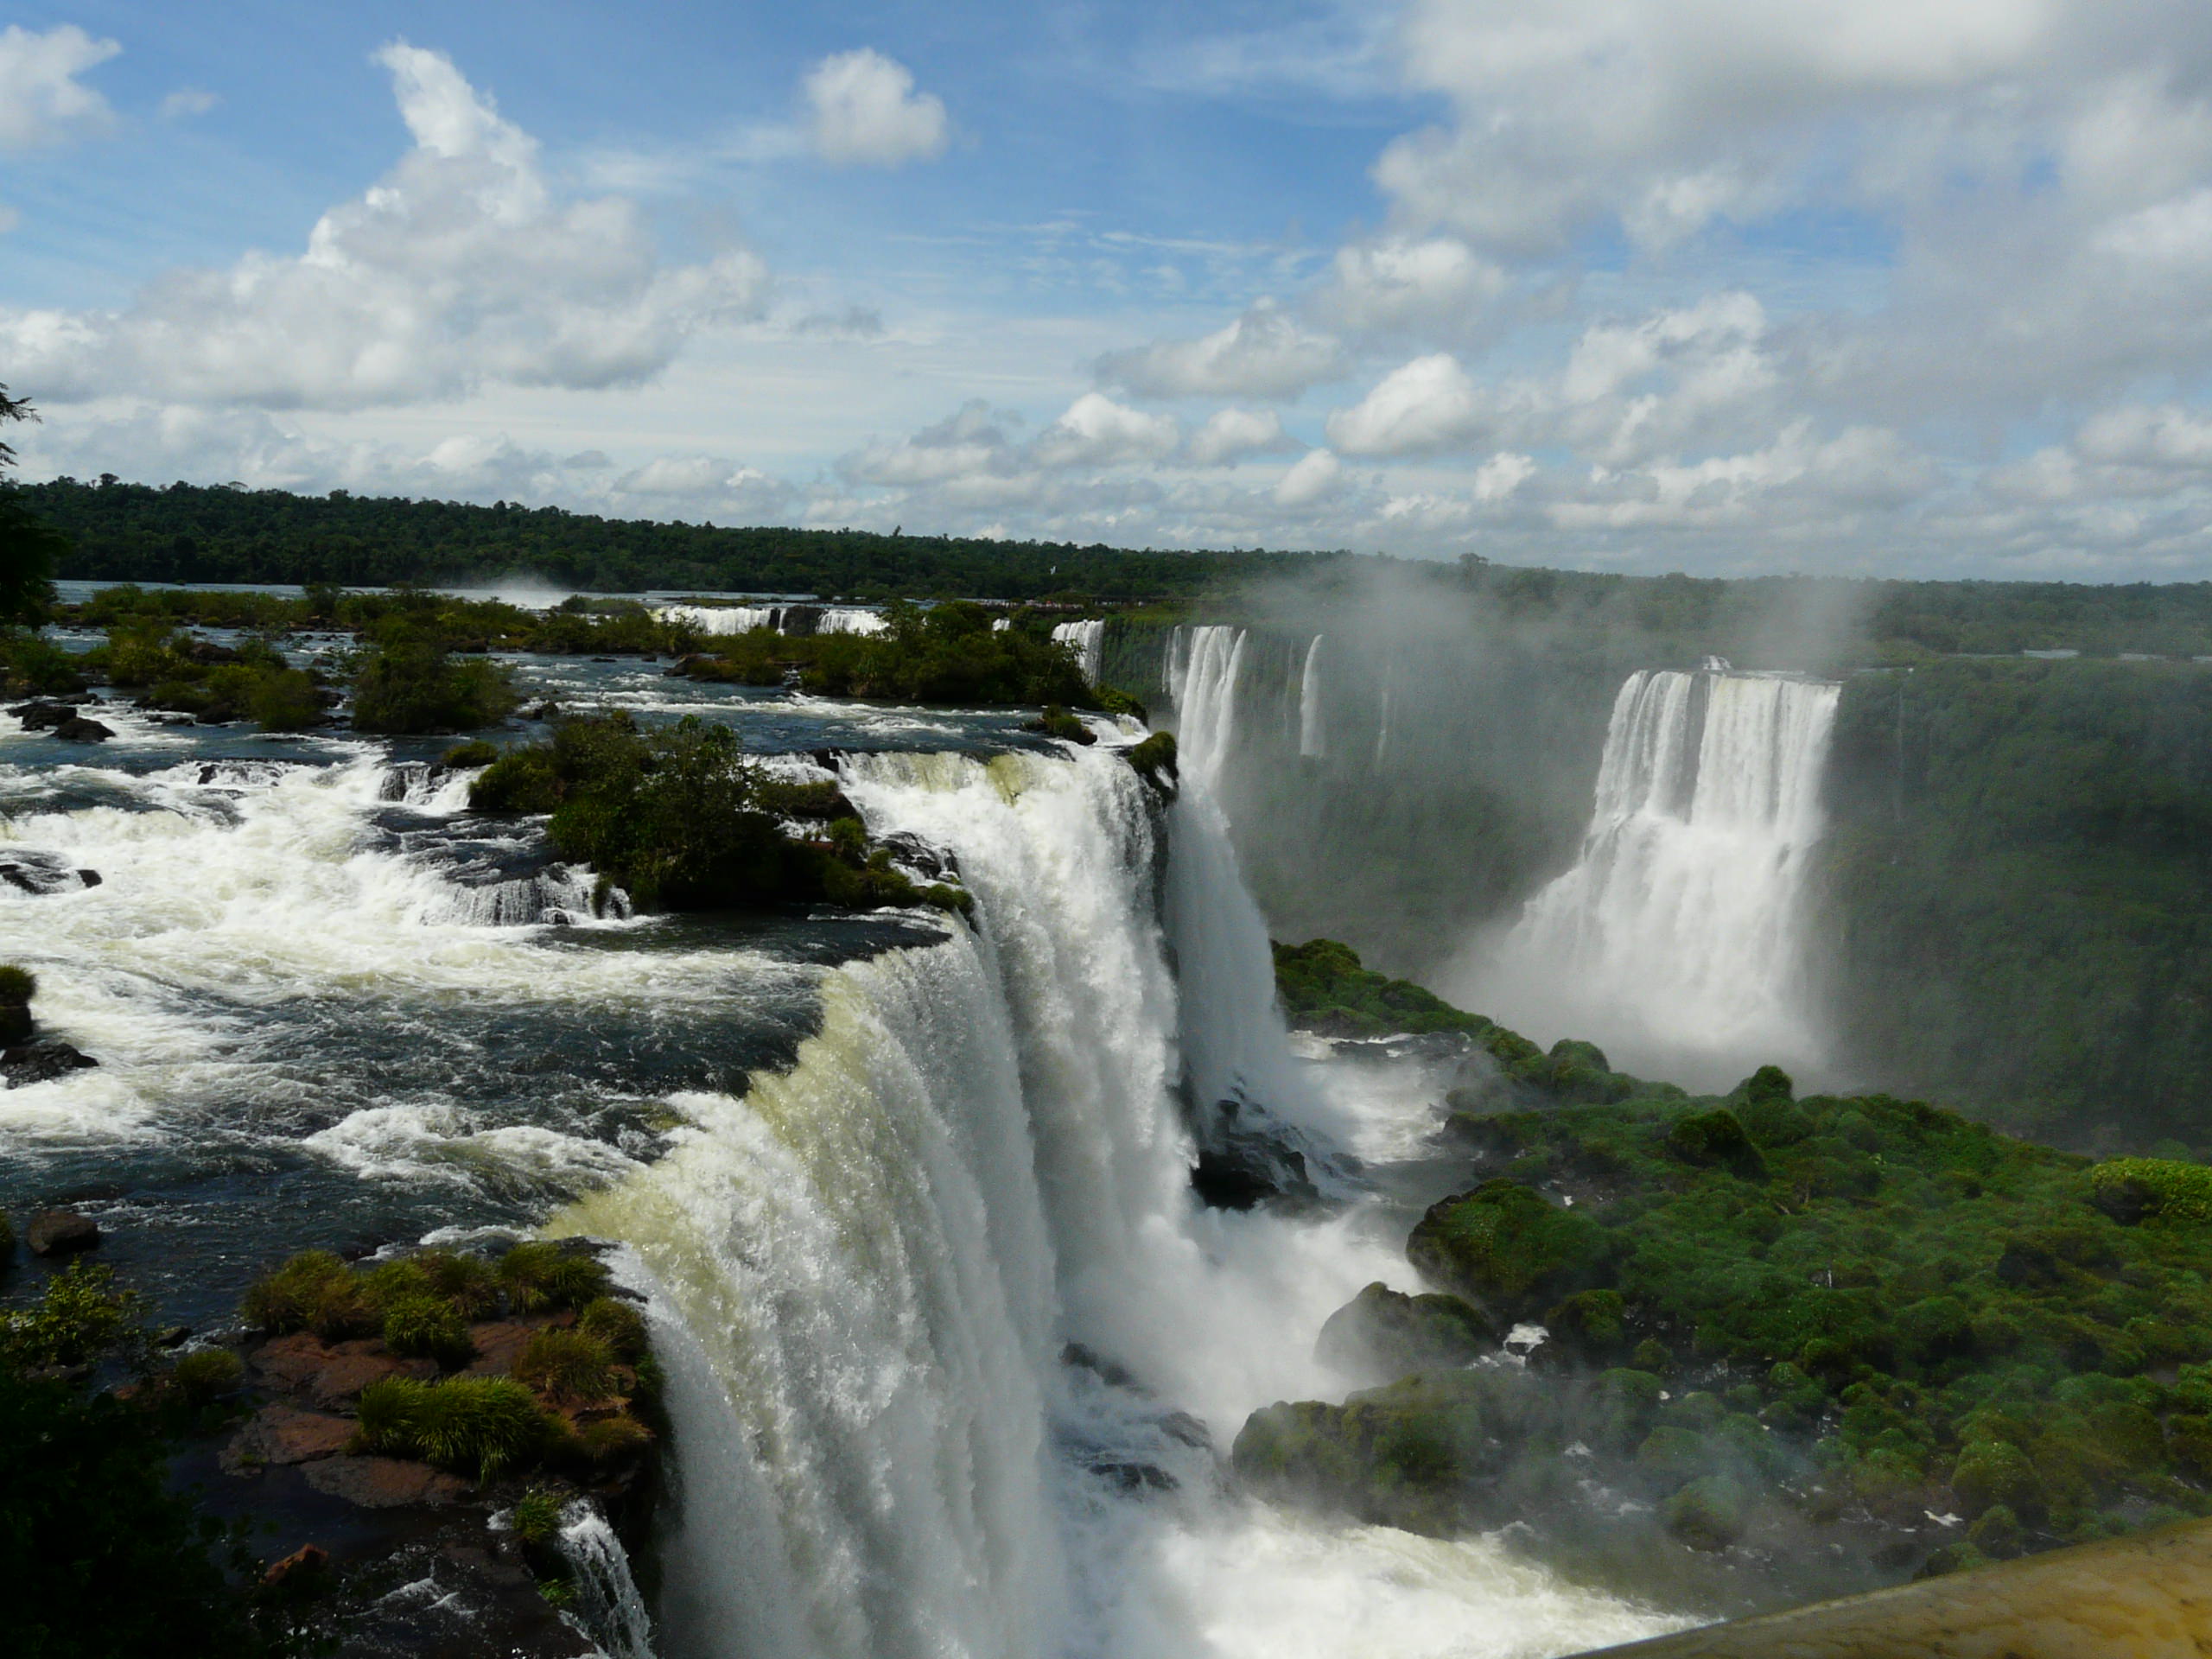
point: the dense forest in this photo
(185, 532)
(188, 532)
(2017, 903)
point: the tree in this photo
(29, 548)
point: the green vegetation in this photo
(30, 549)
(1795, 1327)
(680, 819)
(473, 752)
(414, 685)
(948, 653)
(476, 1426)
(1325, 990)
(171, 670)
(187, 533)
(1154, 760)
(97, 1556)
(2016, 909)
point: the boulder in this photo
(62, 1232)
(1509, 1250)
(307, 1561)
(43, 713)
(283, 1435)
(383, 1483)
(1382, 1335)
(40, 1062)
(30, 871)
(78, 730)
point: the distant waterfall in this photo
(1089, 639)
(1311, 739)
(1203, 665)
(797, 620)
(1678, 932)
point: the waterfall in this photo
(781, 618)
(611, 1610)
(1678, 932)
(873, 1261)
(1311, 741)
(1203, 665)
(1088, 640)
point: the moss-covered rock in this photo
(1508, 1248)
(1990, 1473)
(1715, 1139)
(1708, 1514)
(2131, 1189)
(1383, 1334)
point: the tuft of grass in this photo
(430, 1328)
(315, 1291)
(17, 985)
(568, 1366)
(611, 1437)
(537, 1515)
(618, 1324)
(472, 1425)
(540, 1276)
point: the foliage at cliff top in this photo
(1325, 989)
(946, 654)
(1825, 1320)
(682, 819)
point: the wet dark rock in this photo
(547, 710)
(43, 873)
(307, 1561)
(1133, 1477)
(916, 854)
(44, 714)
(1248, 1157)
(40, 1062)
(281, 1434)
(62, 1232)
(78, 730)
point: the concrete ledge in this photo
(2146, 1597)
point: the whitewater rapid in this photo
(954, 1354)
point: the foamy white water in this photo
(877, 1259)
(1678, 935)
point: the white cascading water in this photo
(744, 619)
(868, 1266)
(1312, 740)
(1678, 934)
(1089, 639)
(608, 1605)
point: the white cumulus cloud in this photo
(1428, 404)
(866, 112)
(462, 267)
(41, 100)
(1231, 434)
(1266, 353)
(1096, 431)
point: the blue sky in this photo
(1642, 284)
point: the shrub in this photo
(1708, 1514)
(414, 686)
(522, 780)
(539, 1276)
(1056, 721)
(473, 752)
(17, 985)
(427, 1328)
(618, 1324)
(1990, 1473)
(315, 1291)
(473, 1425)
(78, 1317)
(1715, 1139)
(1154, 760)
(206, 1374)
(2130, 1188)
(570, 1366)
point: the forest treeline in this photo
(185, 532)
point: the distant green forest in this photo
(185, 532)
(2017, 913)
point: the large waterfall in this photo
(1088, 640)
(1676, 938)
(951, 1341)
